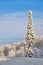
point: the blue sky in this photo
(11, 6)
(14, 17)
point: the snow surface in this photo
(22, 61)
(4, 59)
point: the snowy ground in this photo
(4, 59)
(22, 61)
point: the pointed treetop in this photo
(30, 12)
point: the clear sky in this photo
(14, 17)
(11, 6)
